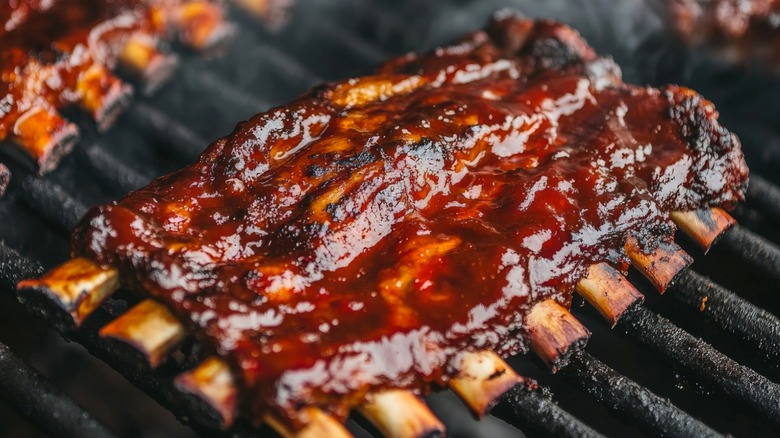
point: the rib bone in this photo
(554, 333)
(662, 266)
(212, 382)
(142, 59)
(703, 226)
(78, 286)
(400, 414)
(201, 24)
(318, 424)
(103, 95)
(150, 328)
(483, 378)
(608, 291)
(44, 135)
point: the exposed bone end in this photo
(103, 95)
(78, 287)
(201, 25)
(44, 135)
(212, 382)
(483, 378)
(555, 333)
(317, 424)
(5, 178)
(703, 226)
(609, 292)
(273, 13)
(150, 328)
(662, 266)
(400, 414)
(141, 58)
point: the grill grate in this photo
(61, 202)
(653, 413)
(58, 414)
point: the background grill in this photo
(329, 40)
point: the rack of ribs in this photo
(390, 234)
(61, 52)
(739, 30)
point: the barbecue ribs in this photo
(741, 30)
(60, 52)
(369, 233)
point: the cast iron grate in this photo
(104, 166)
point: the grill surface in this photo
(327, 40)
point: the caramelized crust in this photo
(367, 234)
(60, 52)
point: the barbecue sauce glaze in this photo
(55, 53)
(365, 235)
(46, 46)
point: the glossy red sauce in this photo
(366, 234)
(45, 45)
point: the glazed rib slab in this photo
(368, 234)
(57, 53)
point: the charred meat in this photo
(366, 235)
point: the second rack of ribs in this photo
(366, 235)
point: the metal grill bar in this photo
(367, 52)
(764, 195)
(5, 176)
(536, 411)
(111, 170)
(732, 313)
(14, 267)
(752, 248)
(180, 139)
(702, 361)
(53, 203)
(212, 84)
(35, 398)
(653, 413)
(293, 70)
